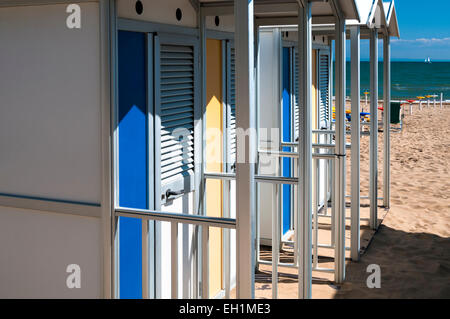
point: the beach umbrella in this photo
(420, 101)
(366, 94)
(410, 105)
(428, 99)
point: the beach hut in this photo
(105, 168)
(378, 20)
(279, 108)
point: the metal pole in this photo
(200, 196)
(325, 185)
(295, 210)
(257, 186)
(333, 201)
(355, 142)
(316, 217)
(441, 99)
(115, 251)
(339, 172)
(275, 241)
(226, 238)
(387, 121)
(373, 156)
(205, 262)
(145, 259)
(174, 259)
(305, 151)
(245, 152)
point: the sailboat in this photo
(428, 60)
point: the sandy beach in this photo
(412, 244)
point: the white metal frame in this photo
(387, 121)
(245, 163)
(373, 152)
(305, 152)
(355, 142)
(339, 163)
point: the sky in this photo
(424, 32)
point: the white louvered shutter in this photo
(324, 89)
(232, 106)
(177, 100)
(296, 94)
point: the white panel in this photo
(50, 103)
(159, 11)
(269, 122)
(36, 249)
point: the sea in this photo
(409, 79)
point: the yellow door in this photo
(214, 156)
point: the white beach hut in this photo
(107, 186)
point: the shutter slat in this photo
(174, 160)
(172, 98)
(176, 146)
(168, 81)
(178, 117)
(175, 169)
(167, 112)
(177, 86)
(176, 150)
(169, 48)
(171, 126)
(176, 104)
(188, 67)
(181, 74)
(168, 137)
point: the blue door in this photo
(286, 136)
(132, 148)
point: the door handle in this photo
(170, 192)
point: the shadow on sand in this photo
(413, 265)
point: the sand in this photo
(412, 244)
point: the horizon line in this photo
(399, 60)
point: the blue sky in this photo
(424, 31)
